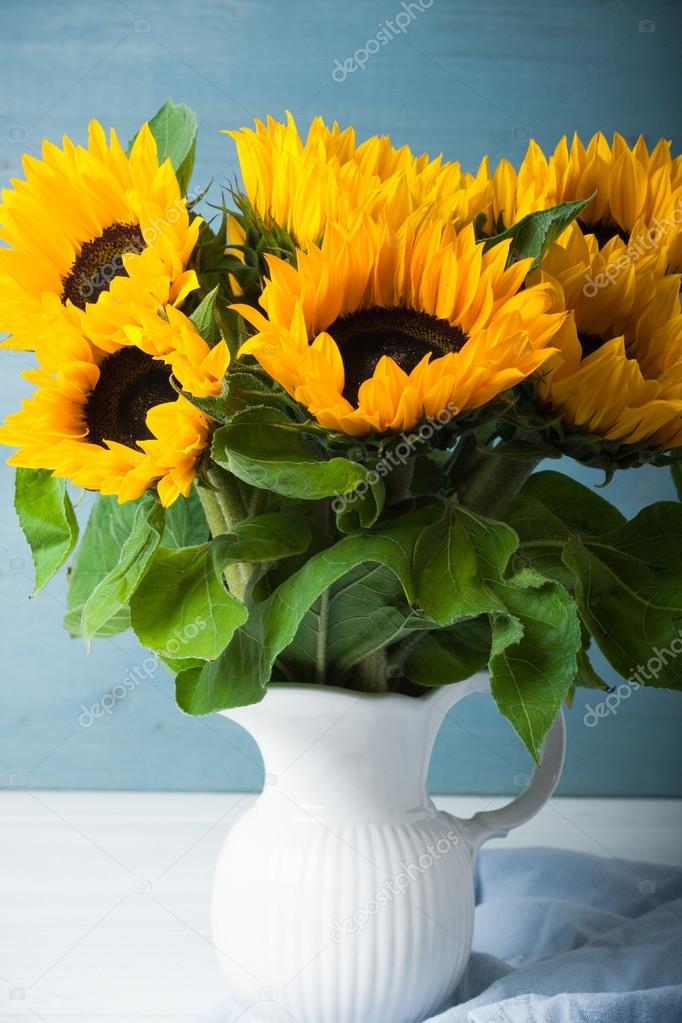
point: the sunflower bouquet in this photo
(312, 420)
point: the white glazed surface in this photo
(343, 896)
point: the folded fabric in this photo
(563, 937)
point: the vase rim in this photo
(359, 694)
(321, 698)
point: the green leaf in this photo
(204, 318)
(117, 624)
(47, 518)
(533, 234)
(261, 538)
(367, 612)
(533, 660)
(361, 509)
(462, 565)
(174, 127)
(549, 510)
(185, 523)
(449, 655)
(573, 507)
(241, 673)
(181, 608)
(456, 560)
(262, 447)
(114, 591)
(586, 675)
(628, 585)
(627, 576)
(98, 552)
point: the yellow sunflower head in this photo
(303, 185)
(112, 421)
(619, 372)
(82, 221)
(374, 332)
(638, 193)
(512, 194)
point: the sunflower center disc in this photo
(99, 261)
(406, 335)
(130, 383)
(604, 231)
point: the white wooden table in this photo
(104, 896)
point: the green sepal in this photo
(204, 318)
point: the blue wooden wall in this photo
(465, 77)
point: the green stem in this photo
(212, 511)
(229, 495)
(224, 508)
(495, 482)
(401, 651)
(399, 481)
(259, 500)
(321, 647)
(372, 673)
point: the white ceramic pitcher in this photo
(343, 895)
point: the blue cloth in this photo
(563, 937)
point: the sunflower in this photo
(512, 194)
(112, 421)
(304, 185)
(638, 193)
(619, 372)
(373, 332)
(83, 221)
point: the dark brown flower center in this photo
(405, 335)
(604, 231)
(99, 261)
(130, 383)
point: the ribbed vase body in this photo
(343, 896)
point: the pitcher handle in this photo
(544, 780)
